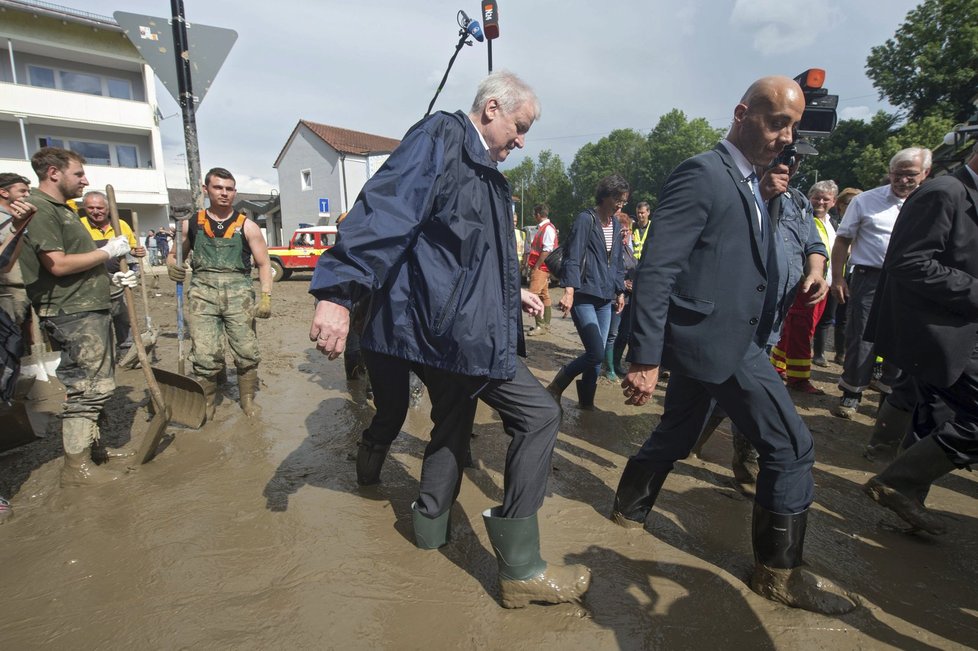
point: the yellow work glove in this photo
(177, 274)
(264, 306)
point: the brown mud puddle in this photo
(255, 536)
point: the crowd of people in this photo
(727, 284)
(63, 266)
(731, 284)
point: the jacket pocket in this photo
(698, 305)
(446, 315)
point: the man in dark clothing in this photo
(704, 298)
(430, 239)
(926, 319)
(162, 243)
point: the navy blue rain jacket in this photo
(430, 243)
(604, 272)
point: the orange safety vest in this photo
(536, 246)
(205, 224)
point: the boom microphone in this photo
(490, 18)
(471, 27)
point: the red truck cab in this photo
(303, 251)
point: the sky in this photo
(374, 65)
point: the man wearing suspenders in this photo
(222, 295)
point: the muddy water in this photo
(256, 536)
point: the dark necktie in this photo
(755, 186)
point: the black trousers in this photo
(757, 402)
(530, 417)
(390, 379)
(950, 414)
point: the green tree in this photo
(857, 154)
(838, 151)
(673, 140)
(620, 152)
(930, 66)
(871, 164)
(542, 181)
(551, 184)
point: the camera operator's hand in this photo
(775, 182)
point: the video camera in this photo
(818, 120)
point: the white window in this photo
(98, 153)
(79, 82)
(306, 179)
(119, 88)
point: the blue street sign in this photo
(324, 205)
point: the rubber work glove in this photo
(264, 306)
(125, 279)
(117, 247)
(176, 274)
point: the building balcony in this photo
(63, 108)
(132, 186)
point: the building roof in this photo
(345, 141)
(62, 13)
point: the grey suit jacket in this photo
(925, 315)
(704, 289)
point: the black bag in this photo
(555, 259)
(555, 262)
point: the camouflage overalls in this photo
(221, 299)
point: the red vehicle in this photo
(302, 252)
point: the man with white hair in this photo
(430, 245)
(862, 239)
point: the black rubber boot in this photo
(900, 486)
(744, 461)
(560, 382)
(839, 341)
(638, 489)
(524, 577)
(818, 348)
(778, 575)
(585, 395)
(890, 429)
(370, 459)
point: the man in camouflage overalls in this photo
(64, 273)
(222, 295)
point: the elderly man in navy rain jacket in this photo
(429, 242)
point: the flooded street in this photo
(254, 535)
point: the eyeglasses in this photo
(901, 176)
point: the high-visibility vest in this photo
(638, 240)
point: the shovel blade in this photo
(17, 428)
(183, 396)
(153, 436)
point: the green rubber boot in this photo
(524, 577)
(609, 364)
(430, 533)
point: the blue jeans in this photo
(592, 317)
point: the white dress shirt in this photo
(868, 222)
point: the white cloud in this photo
(863, 113)
(780, 26)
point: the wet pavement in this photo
(255, 535)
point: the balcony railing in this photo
(50, 106)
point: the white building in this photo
(320, 162)
(72, 79)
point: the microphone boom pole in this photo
(468, 28)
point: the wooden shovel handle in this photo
(154, 387)
(142, 280)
